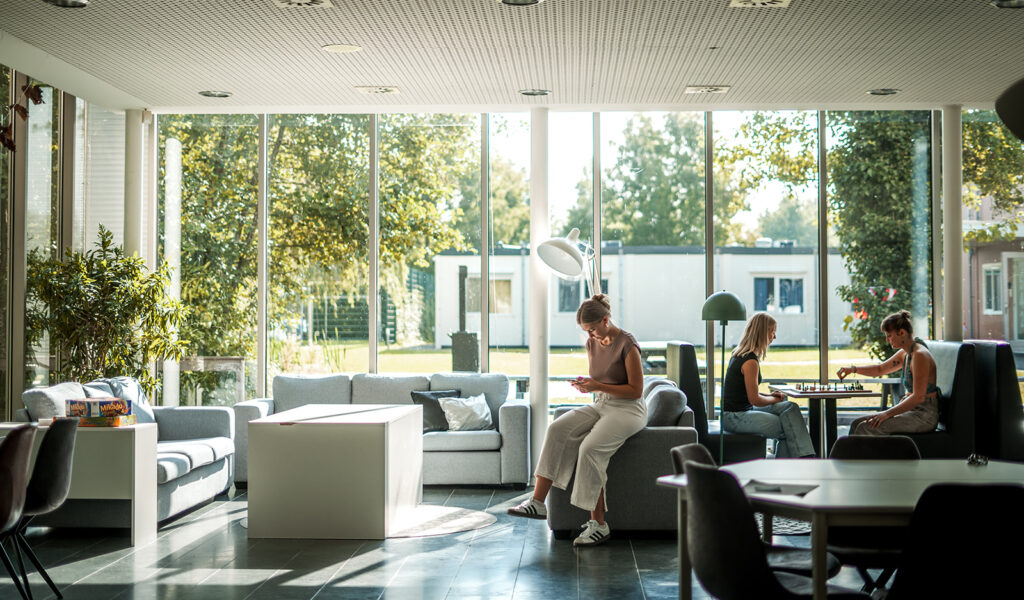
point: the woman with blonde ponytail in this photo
(584, 439)
(747, 410)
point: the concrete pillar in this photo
(952, 221)
(540, 230)
(133, 181)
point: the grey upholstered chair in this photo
(871, 547)
(15, 453)
(725, 550)
(780, 558)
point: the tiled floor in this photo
(207, 554)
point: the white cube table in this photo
(330, 471)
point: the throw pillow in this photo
(467, 414)
(48, 402)
(433, 415)
(664, 406)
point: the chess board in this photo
(832, 390)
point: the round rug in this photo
(427, 519)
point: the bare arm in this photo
(919, 364)
(893, 363)
(633, 388)
(756, 398)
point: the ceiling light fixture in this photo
(884, 92)
(68, 3)
(535, 92)
(521, 2)
(215, 94)
(341, 48)
(377, 89)
(706, 89)
(1008, 3)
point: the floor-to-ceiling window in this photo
(319, 195)
(508, 175)
(570, 206)
(99, 174)
(208, 200)
(429, 203)
(653, 227)
(880, 216)
(993, 230)
(766, 234)
(5, 203)
(42, 205)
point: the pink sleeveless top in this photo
(608, 363)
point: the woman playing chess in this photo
(918, 411)
(747, 410)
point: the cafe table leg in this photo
(816, 423)
(685, 577)
(819, 564)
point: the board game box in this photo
(98, 407)
(115, 421)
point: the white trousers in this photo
(586, 438)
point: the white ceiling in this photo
(477, 54)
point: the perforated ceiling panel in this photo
(477, 54)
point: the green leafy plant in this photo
(105, 312)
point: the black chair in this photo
(682, 369)
(780, 558)
(952, 549)
(725, 550)
(15, 454)
(998, 415)
(49, 486)
(871, 547)
(954, 435)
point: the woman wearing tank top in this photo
(918, 411)
(584, 439)
(749, 411)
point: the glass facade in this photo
(208, 200)
(6, 157)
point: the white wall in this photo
(655, 296)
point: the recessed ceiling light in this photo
(1008, 3)
(68, 3)
(341, 48)
(706, 89)
(883, 92)
(521, 2)
(377, 89)
(215, 94)
(535, 92)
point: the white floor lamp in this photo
(570, 258)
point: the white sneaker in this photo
(531, 509)
(593, 534)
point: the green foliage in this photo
(318, 193)
(793, 220)
(654, 195)
(510, 205)
(993, 168)
(106, 312)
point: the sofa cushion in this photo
(176, 458)
(48, 402)
(370, 388)
(665, 404)
(467, 414)
(653, 381)
(433, 415)
(125, 388)
(293, 391)
(461, 441)
(494, 387)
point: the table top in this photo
(9, 425)
(793, 392)
(890, 486)
(320, 414)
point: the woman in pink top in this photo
(585, 438)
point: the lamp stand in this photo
(721, 407)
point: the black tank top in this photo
(734, 390)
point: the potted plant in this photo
(105, 312)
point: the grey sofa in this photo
(635, 501)
(492, 457)
(195, 451)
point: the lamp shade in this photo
(563, 255)
(723, 306)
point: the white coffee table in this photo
(330, 471)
